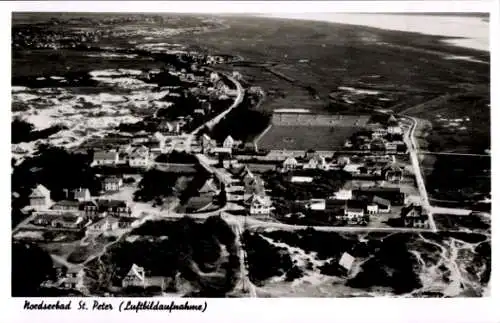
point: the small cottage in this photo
(40, 198)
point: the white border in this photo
(261, 310)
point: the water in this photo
(469, 32)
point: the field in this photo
(468, 222)
(456, 181)
(305, 137)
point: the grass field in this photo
(305, 137)
(468, 222)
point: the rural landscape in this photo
(247, 156)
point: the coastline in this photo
(429, 25)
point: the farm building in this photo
(40, 198)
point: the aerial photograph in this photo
(250, 155)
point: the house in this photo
(207, 143)
(392, 194)
(413, 216)
(316, 162)
(40, 198)
(66, 220)
(343, 160)
(346, 262)
(301, 179)
(290, 163)
(210, 187)
(114, 207)
(259, 205)
(106, 158)
(88, 208)
(108, 223)
(310, 153)
(317, 204)
(79, 194)
(136, 277)
(221, 150)
(200, 112)
(392, 173)
(343, 194)
(383, 205)
(353, 169)
(354, 211)
(228, 142)
(66, 206)
(74, 278)
(377, 144)
(393, 126)
(112, 184)
(372, 208)
(139, 157)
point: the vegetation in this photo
(23, 131)
(191, 249)
(242, 124)
(156, 183)
(177, 157)
(56, 169)
(26, 278)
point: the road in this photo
(218, 118)
(410, 141)
(453, 154)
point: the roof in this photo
(82, 205)
(140, 151)
(380, 189)
(136, 271)
(112, 179)
(381, 201)
(209, 186)
(355, 205)
(40, 191)
(346, 261)
(67, 203)
(105, 155)
(80, 192)
(290, 159)
(407, 209)
(229, 139)
(111, 203)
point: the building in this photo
(383, 205)
(316, 162)
(210, 187)
(66, 220)
(112, 184)
(40, 198)
(114, 207)
(392, 194)
(372, 208)
(391, 146)
(106, 158)
(413, 216)
(108, 223)
(228, 142)
(317, 204)
(74, 278)
(343, 194)
(136, 277)
(139, 157)
(354, 211)
(346, 262)
(290, 163)
(301, 179)
(259, 204)
(392, 173)
(66, 206)
(353, 169)
(79, 194)
(88, 208)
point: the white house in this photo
(290, 163)
(139, 157)
(301, 179)
(40, 198)
(112, 184)
(346, 261)
(317, 204)
(343, 194)
(354, 210)
(228, 142)
(136, 277)
(260, 205)
(74, 278)
(316, 162)
(80, 194)
(105, 158)
(372, 208)
(352, 168)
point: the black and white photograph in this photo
(250, 155)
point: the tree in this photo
(222, 195)
(30, 267)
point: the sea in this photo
(464, 31)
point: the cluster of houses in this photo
(79, 210)
(372, 167)
(358, 205)
(388, 139)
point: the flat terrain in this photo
(305, 137)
